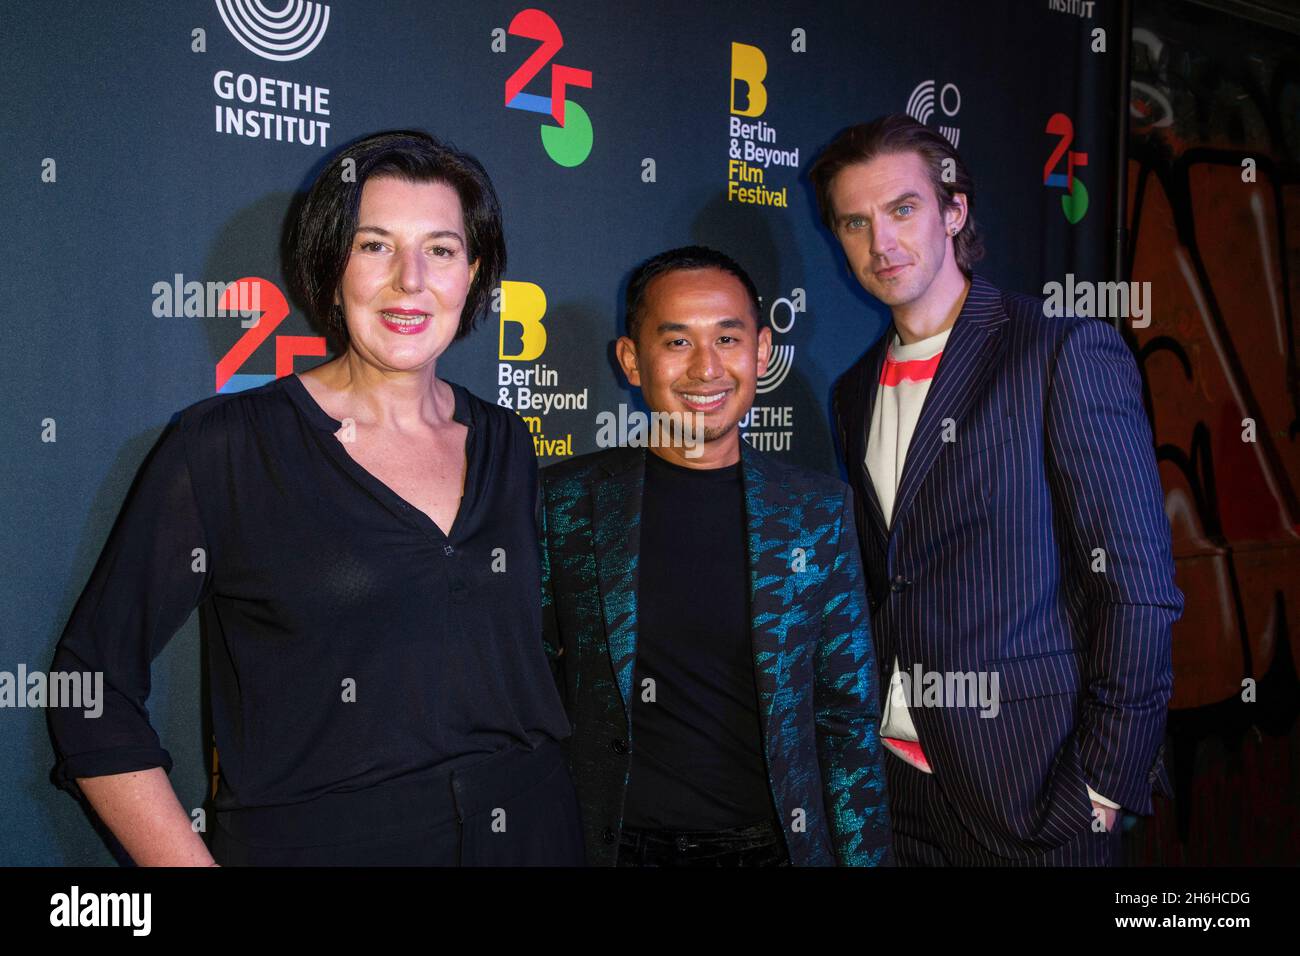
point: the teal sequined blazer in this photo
(813, 655)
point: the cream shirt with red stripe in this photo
(904, 382)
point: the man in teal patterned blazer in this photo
(704, 611)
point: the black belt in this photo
(685, 841)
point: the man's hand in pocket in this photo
(1103, 817)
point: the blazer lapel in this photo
(616, 540)
(969, 358)
(767, 557)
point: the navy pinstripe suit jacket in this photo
(813, 668)
(1032, 451)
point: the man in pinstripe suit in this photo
(1012, 526)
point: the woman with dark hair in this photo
(360, 543)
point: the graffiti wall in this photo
(1214, 226)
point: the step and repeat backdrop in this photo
(150, 153)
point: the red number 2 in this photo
(274, 311)
(535, 25)
(1061, 125)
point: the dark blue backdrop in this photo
(120, 171)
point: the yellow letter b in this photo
(523, 303)
(749, 66)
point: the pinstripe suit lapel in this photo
(616, 540)
(866, 400)
(969, 359)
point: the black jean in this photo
(515, 808)
(759, 844)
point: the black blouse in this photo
(350, 641)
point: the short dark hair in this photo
(327, 223)
(899, 133)
(676, 260)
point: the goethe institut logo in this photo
(273, 108)
(289, 33)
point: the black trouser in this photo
(759, 844)
(515, 808)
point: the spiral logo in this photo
(777, 369)
(289, 33)
(920, 106)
